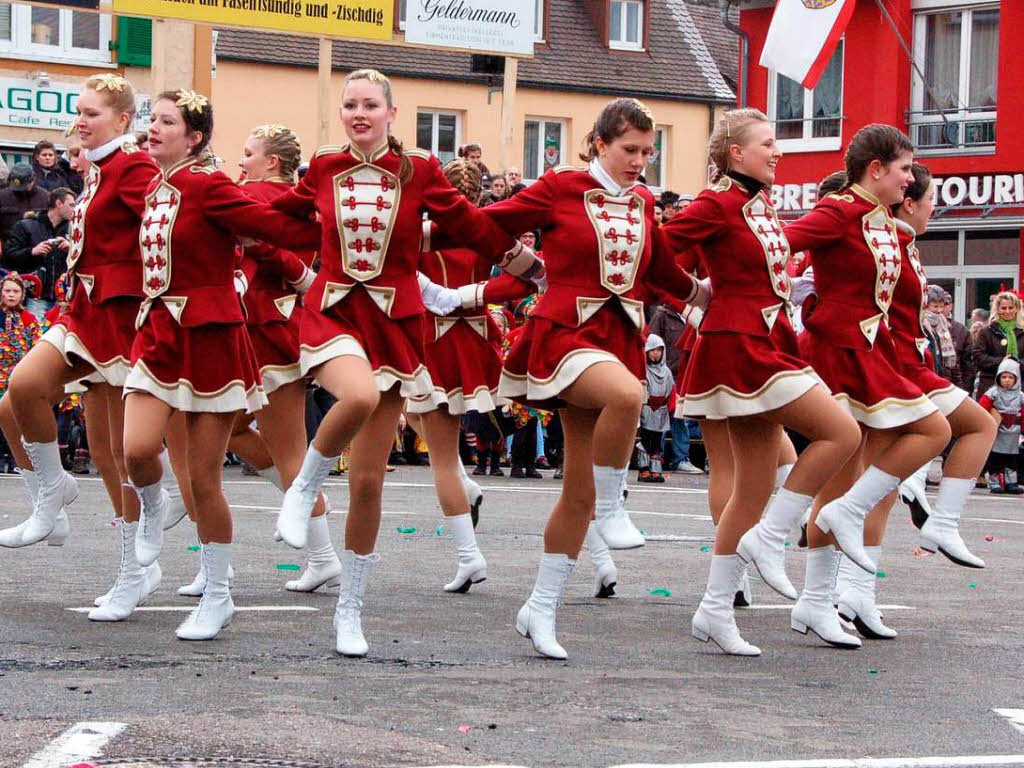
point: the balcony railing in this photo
(966, 130)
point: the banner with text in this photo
(359, 19)
(488, 26)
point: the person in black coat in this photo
(1003, 337)
(39, 245)
(53, 172)
(21, 196)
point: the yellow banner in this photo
(362, 19)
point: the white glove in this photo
(693, 316)
(437, 298)
(241, 284)
(702, 298)
(305, 282)
(802, 287)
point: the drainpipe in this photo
(744, 50)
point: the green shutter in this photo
(134, 41)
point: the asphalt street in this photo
(449, 682)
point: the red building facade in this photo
(962, 105)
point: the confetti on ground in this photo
(789, 543)
(289, 567)
(661, 592)
(465, 728)
(922, 553)
(643, 532)
(405, 529)
(439, 529)
(705, 549)
(990, 537)
(872, 671)
(973, 586)
(881, 574)
(194, 548)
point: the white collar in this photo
(105, 151)
(605, 179)
(901, 224)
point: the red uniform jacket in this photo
(193, 214)
(910, 299)
(466, 269)
(745, 253)
(857, 264)
(598, 246)
(271, 272)
(104, 229)
(372, 224)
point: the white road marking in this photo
(275, 510)
(1015, 716)
(957, 761)
(994, 520)
(666, 514)
(79, 742)
(789, 607)
(238, 609)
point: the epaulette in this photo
(838, 196)
(722, 185)
(330, 149)
(199, 168)
(422, 154)
(565, 167)
(129, 147)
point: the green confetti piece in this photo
(439, 529)
(289, 567)
(973, 586)
(661, 592)
(194, 548)
(643, 532)
(881, 574)
(872, 671)
(789, 543)
(705, 549)
(404, 529)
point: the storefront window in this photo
(439, 132)
(939, 249)
(980, 290)
(543, 146)
(809, 117)
(992, 247)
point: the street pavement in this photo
(449, 682)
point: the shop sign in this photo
(487, 26)
(980, 190)
(27, 105)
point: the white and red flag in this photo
(802, 37)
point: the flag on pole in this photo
(803, 36)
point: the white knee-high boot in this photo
(536, 619)
(54, 488)
(323, 569)
(176, 510)
(215, 608)
(293, 520)
(714, 619)
(15, 537)
(606, 575)
(857, 601)
(149, 539)
(941, 531)
(844, 517)
(814, 610)
(472, 567)
(474, 493)
(764, 544)
(348, 616)
(130, 589)
(611, 518)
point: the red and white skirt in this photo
(736, 374)
(277, 351)
(99, 334)
(549, 357)
(357, 326)
(464, 367)
(202, 369)
(867, 384)
(946, 395)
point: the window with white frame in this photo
(54, 34)
(439, 132)
(543, 146)
(626, 25)
(808, 119)
(657, 164)
(538, 23)
(402, 9)
(954, 106)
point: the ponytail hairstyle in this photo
(617, 117)
(116, 91)
(465, 176)
(877, 141)
(282, 142)
(381, 80)
(197, 112)
(733, 128)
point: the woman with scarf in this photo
(940, 340)
(1003, 337)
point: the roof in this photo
(722, 43)
(681, 62)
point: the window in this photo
(954, 106)
(626, 25)
(538, 23)
(809, 120)
(439, 132)
(402, 9)
(52, 34)
(543, 146)
(658, 163)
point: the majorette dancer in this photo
(192, 353)
(745, 369)
(362, 333)
(856, 257)
(582, 348)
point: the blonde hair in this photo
(465, 176)
(993, 316)
(733, 128)
(281, 141)
(382, 80)
(118, 92)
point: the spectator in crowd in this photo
(979, 315)
(654, 417)
(474, 153)
(939, 337)
(19, 331)
(20, 197)
(5, 172)
(1002, 337)
(38, 244)
(659, 214)
(499, 192)
(669, 326)
(52, 172)
(962, 344)
(1005, 403)
(514, 177)
(668, 202)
